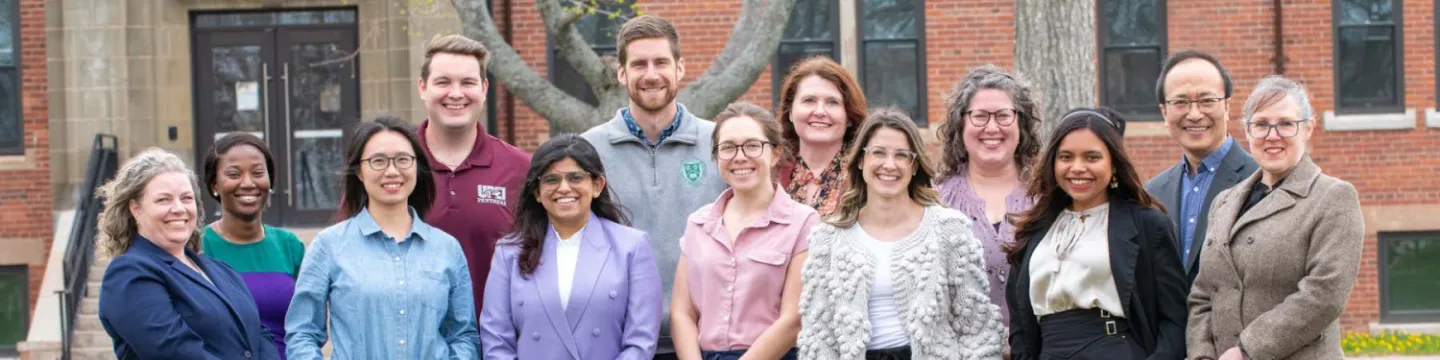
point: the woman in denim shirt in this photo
(395, 287)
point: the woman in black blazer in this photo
(159, 298)
(1095, 273)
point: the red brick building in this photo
(26, 228)
(1380, 132)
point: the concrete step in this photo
(93, 353)
(88, 323)
(90, 306)
(91, 339)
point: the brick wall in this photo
(25, 186)
(1397, 167)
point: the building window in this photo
(1368, 59)
(12, 129)
(599, 31)
(812, 31)
(1409, 290)
(14, 307)
(1132, 48)
(892, 55)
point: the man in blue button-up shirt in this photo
(1193, 93)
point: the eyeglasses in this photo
(901, 157)
(1286, 128)
(574, 177)
(1183, 105)
(752, 149)
(980, 118)
(379, 163)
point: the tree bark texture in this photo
(1055, 48)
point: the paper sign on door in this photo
(247, 96)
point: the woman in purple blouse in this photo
(989, 138)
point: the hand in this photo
(1232, 354)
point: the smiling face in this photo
(651, 74)
(454, 94)
(818, 112)
(992, 144)
(1200, 131)
(886, 173)
(243, 182)
(747, 170)
(566, 191)
(391, 185)
(1277, 155)
(165, 212)
(1083, 169)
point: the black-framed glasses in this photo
(980, 118)
(1286, 128)
(1183, 105)
(901, 157)
(752, 149)
(573, 177)
(380, 162)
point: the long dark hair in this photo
(531, 219)
(353, 198)
(1050, 199)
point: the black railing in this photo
(80, 251)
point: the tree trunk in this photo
(751, 47)
(1055, 48)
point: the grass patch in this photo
(1390, 343)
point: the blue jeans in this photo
(735, 355)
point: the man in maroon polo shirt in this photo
(478, 177)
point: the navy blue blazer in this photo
(155, 307)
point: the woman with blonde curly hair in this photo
(893, 274)
(161, 299)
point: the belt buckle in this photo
(1104, 314)
(1110, 328)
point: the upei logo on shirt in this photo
(693, 170)
(490, 194)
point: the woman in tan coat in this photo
(1283, 245)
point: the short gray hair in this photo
(117, 225)
(1274, 88)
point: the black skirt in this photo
(1088, 334)
(899, 353)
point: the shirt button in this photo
(535, 336)
(402, 311)
(452, 192)
(730, 289)
(397, 259)
(1192, 220)
(1195, 189)
(613, 294)
(247, 354)
(402, 282)
(595, 332)
(402, 341)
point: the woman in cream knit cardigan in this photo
(893, 273)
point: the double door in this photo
(292, 79)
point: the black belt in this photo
(1110, 324)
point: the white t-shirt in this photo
(887, 331)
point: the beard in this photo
(652, 104)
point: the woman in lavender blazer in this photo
(573, 281)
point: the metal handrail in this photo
(80, 251)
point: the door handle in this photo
(289, 152)
(265, 100)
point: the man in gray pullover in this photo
(656, 154)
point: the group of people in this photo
(825, 232)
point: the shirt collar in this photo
(368, 226)
(639, 132)
(1212, 162)
(780, 210)
(478, 157)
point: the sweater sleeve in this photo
(974, 317)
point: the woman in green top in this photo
(237, 174)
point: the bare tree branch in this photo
(564, 112)
(752, 45)
(574, 49)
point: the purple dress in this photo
(955, 192)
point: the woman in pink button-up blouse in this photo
(737, 285)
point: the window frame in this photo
(1386, 316)
(18, 147)
(922, 118)
(778, 74)
(553, 57)
(1398, 23)
(24, 272)
(1140, 113)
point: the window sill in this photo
(1432, 118)
(1414, 328)
(17, 162)
(1359, 122)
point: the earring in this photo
(1114, 183)
(596, 196)
(215, 193)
